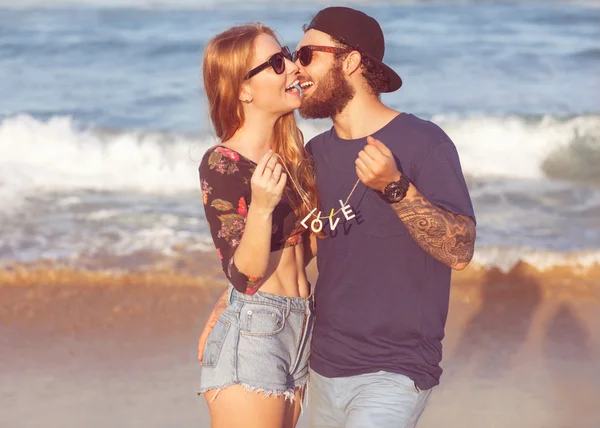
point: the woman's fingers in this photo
(262, 163)
(276, 172)
(268, 181)
(281, 184)
(270, 167)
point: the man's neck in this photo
(363, 116)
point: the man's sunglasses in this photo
(305, 53)
(277, 61)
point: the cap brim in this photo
(395, 81)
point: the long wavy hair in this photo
(227, 59)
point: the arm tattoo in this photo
(448, 237)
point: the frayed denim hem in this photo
(288, 394)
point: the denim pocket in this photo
(214, 343)
(260, 320)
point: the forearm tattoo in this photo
(448, 237)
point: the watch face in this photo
(394, 192)
(397, 193)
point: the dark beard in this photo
(332, 95)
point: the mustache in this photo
(302, 78)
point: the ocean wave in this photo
(54, 155)
(153, 4)
(579, 161)
(527, 147)
(592, 54)
(506, 257)
(173, 4)
(57, 154)
(135, 254)
(209, 4)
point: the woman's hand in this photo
(218, 309)
(267, 183)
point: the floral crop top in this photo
(225, 180)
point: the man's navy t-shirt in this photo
(381, 301)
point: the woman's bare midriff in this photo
(286, 275)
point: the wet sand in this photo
(92, 349)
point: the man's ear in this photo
(352, 62)
(245, 94)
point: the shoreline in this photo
(95, 348)
(202, 269)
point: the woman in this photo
(256, 185)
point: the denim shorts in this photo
(381, 399)
(261, 342)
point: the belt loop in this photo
(289, 307)
(230, 295)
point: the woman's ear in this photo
(245, 94)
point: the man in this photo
(382, 292)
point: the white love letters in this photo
(317, 225)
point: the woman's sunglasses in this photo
(277, 61)
(305, 53)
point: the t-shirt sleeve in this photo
(441, 179)
(226, 208)
(308, 148)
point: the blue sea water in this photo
(103, 118)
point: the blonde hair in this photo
(227, 58)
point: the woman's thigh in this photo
(236, 407)
(294, 409)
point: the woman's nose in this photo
(291, 67)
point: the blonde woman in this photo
(257, 186)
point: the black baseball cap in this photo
(358, 30)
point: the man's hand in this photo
(218, 309)
(376, 166)
(448, 237)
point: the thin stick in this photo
(304, 195)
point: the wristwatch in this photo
(396, 190)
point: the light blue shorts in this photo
(261, 342)
(381, 400)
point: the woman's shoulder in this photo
(226, 169)
(224, 161)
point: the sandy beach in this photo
(96, 349)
